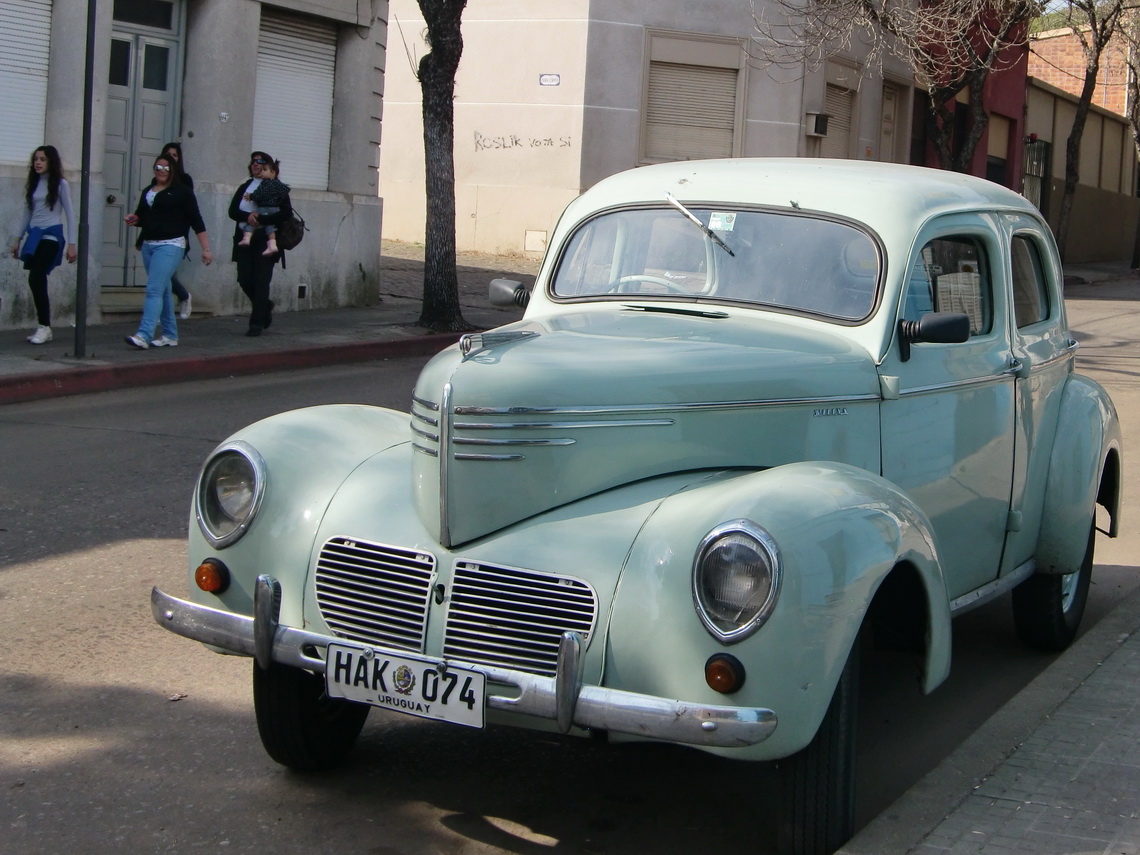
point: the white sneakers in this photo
(137, 341)
(184, 309)
(42, 335)
(164, 341)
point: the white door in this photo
(142, 114)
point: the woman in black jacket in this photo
(166, 213)
(254, 269)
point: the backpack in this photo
(290, 232)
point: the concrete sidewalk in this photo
(1056, 770)
(218, 347)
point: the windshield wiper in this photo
(672, 201)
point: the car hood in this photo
(536, 414)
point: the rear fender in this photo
(1084, 469)
(840, 531)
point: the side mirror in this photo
(934, 327)
(506, 293)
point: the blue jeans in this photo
(160, 262)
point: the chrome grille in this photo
(514, 618)
(375, 594)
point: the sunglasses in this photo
(259, 160)
(161, 168)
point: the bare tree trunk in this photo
(441, 310)
(1073, 152)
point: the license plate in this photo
(406, 684)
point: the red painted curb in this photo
(76, 381)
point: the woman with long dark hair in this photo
(166, 213)
(47, 200)
(173, 150)
(254, 267)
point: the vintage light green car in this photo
(754, 408)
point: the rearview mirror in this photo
(934, 327)
(506, 293)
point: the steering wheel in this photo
(615, 286)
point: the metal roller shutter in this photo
(292, 117)
(691, 111)
(25, 37)
(839, 103)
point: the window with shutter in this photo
(839, 104)
(693, 97)
(691, 112)
(292, 116)
(25, 34)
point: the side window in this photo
(1030, 299)
(952, 275)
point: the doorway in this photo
(143, 95)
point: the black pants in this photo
(38, 266)
(254, 275)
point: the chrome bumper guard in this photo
(561, 698)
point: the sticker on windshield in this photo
(722, 221)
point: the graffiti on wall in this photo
(484, 142)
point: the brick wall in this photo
(1056, 57)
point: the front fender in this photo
(840, 531)
(1087, 441)
(308, 454)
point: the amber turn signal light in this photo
(212, 576)
(724, 673)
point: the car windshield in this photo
(790, 261)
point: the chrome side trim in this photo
(958, 384)
(430, 452)
(992, 590)
(549, 698)
(427, 420)
(562, 425)
(1064, 356)
(662, 408)
(486, 441)
(470, 456)
(423, 402)
(434, 437)
(444, 442)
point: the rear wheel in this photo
(1047, 608)
(300, 725)
(819, 782)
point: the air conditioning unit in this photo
(816, 124)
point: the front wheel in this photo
(1047, 608)
(300, 725)
(819, 782)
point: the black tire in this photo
(1047, 608)
(300, 726)
(819, 782)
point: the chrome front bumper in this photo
(561, 698)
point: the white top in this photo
(248, 205)
(40, 216)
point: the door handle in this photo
(111, 200)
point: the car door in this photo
(948, 435)
(1044, 352)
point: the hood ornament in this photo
(472, 344)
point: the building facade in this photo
(300, 79)
(550, 98)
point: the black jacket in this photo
(172, 215)
(239, 216)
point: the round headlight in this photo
(736, 579)
(229, 492)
